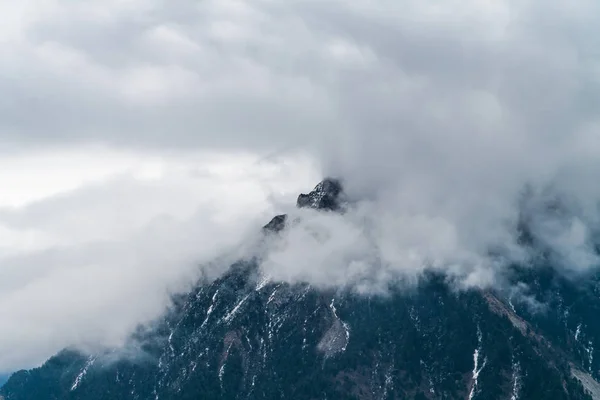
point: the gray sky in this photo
(134, 133)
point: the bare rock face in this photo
(325, 196)
(276, 224)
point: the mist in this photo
(451, 120)
(446, 123)
(84, 267)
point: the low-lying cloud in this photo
(86, 266)
(450, 118)
(445, 121)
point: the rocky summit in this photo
(325, 196)
(245, 336)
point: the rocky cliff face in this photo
(244, 336)
(325, 196)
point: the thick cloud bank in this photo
(459, 122)
(447, 121)
(84, 266)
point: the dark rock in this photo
(276, 224)
(239, 338)
(325, 196)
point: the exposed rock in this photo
(325, 196)
(497, 306)
(276, 224)
(588, 382)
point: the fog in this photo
(445, 122)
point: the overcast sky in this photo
(139, 138)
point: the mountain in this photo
(244, 336)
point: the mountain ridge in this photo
(244, 336)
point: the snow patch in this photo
(210, 309)
(590, 352)
(232, 313)
(476, 369)
(512, 306)
(83, 373)
(272, 296)
(263, 282)
(516, 380)
(170, 340)
(221, 373)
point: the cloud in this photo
(449, 116)
(148, 74)
(408, 79)
(83, 267)
(437, 117)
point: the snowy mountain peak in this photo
(325, 196)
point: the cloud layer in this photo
(85, 266)
(437, 117)
(452, 114)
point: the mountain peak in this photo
(325, 196)
(276, 224)
(248, 335)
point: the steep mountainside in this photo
(244, 336)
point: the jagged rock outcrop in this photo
(325, 196)
(276, 224)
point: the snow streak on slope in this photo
(476, 369)
(516, 379)
(210, 308)
(235, 309)
(590, 352)
(83, 373)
